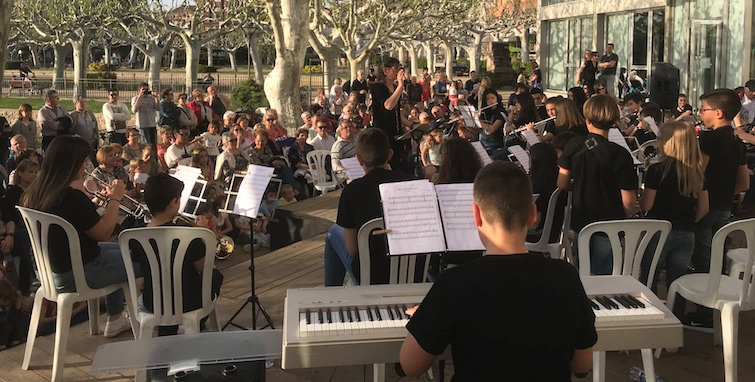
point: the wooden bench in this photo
(20, 85)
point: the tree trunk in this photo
(60, 65)
(430, 56)
(145, 66)
(106, 58)
(525, 46)
(209, 56)
(192, 62)
(6, 7)
(80, 52)
(35, 56)
(413, 58)
(282, 84)
(173, 52)
(232, 59)
(329, 60)
(449, 60)
(254, 51)
(356, 62)
(474, 53)
(132, 56)
(400, 55)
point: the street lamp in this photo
(248, 32)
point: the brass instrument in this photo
(225, 244)
(128, 205)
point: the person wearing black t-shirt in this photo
(360, 203)
(360, 86)
(492, 121)
(605, 181)
(589, 68)
(682, 109)
(414, 91)
(607, 66)
(58, 190)
(386, 94)
(675, 191)
(162, 193)
(471, 82)
(470, 306)
(568, 118)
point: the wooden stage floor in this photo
(300, 265)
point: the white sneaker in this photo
(116, 327)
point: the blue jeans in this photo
(107, 269)
(704, 231)
(337, 260)
(676, 255)
(149, 134)
(601, 255)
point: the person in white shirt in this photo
(344, 147)
(180, 151)
(211, 139)
(747, 115)
(145, 105)
(116, 115)
(308, 119)
(323, 140)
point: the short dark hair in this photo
(160, 190)
(504, 194)
(373, 147)
(681, 95)
(520, 86)
(167, 92)
(143, 84)
(726, 100)
(636, 97)
(473, 72)
(534, 91)
(750, 84)
(609, 44)
(652, 110)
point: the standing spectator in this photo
(217, 103)
(536, 78)
(360, 86)
(116, 115)
(202, 111)
(425, 90)
(26, 126)
(134, 148)
(169, 112)
(187, 118)
(85, 124)
(145, 105)
(51, 118)
(471, 82)
(607, 67)
(589, 68)
(440, 89)
(343, 148)
(371, 78)
(623, 82)
(414, 91)
(522, 77)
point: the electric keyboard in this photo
(365, 324)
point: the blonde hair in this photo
(135, 163)
(103, 152)
(678, 147)
(567, 114)
(196, 93)
(430, 140)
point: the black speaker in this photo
(663, 85)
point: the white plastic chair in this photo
(38, 224)
(726, 294)
(167, 295)
(544, 245)
(402, 271)
(627, 260)
(737, 260)
(317, 159)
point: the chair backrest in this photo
(627, 259)
(38, 224)
(166, 270)
(402, 267)
(316, 160)
(548, 223)
(747, 227)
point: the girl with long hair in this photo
(201, 159)
(492, 122)
(544, 173)
(675, 190)
(57, 190)
(386, 94)
(25, 174)
(568, 118)
(430, 152)
(579, 97)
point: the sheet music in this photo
(252, 190)
(188, 176)
(354, 170)
(484, 157)
(615, 136)
(458, 221)
(471, 118)
(651, 122)
(522, 157)
(410, 211)
(531, 137)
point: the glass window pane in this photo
(556, 55)
(617, 29)
(640, 39)
(659, 34)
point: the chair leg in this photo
(599, 366)
(213, 321)
(378, 372)
(670, 299)
(133, 313)
(730, 324)
(93, 307)
(36, 314)
(63, 325)
(716, 327)
(648, 364)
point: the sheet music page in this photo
(521, 156)
(410, 211)
(458, 221)
(471, 118)
(651, 122)
(484, 157)
(252, 190)
(354, 170)
(531, 137)
(188, 176)
(615, 136)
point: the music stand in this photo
(253, 299)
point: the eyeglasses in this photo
(271, 119)
(183, 134)
(233, 140)
(321, 126)
(238, 129)
(113, 94)
(601, 89)
(184, 97)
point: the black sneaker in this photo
(698, 321)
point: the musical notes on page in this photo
(484, 157)
(354, 170)
(521, 156)
(188, 176)
(458, 221)
(252, 190)
(615, 136)
(531, 137)
(410, 211)
(471, 118)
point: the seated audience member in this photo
(201, 159)
(323, 140)
(359, 203)
(231, 160)
(14, 312)
(343, 148)
(166, 137)
(682, 109)
(260, 154)
(163, 197)
(539, 349)
(297, 157)
(149, 157)
(180, 151)
(650, 118)
(287, 195)
(108, 170)
(430, 152)
(17, 144)
(133, 149)
(605, 181)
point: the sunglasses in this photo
(233, 140)
(114, 94)
(183, 134)
(271, 119)
(321, 126)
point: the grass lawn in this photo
(37, 103)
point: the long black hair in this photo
(459, 162)
(543, 168)
(388, 62)
(579, 98)
(63, 160)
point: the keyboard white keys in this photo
(624, 308)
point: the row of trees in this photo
(356, 28)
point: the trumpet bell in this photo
(224, 248)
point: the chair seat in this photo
(329, 186)
(694, 285)
(738, 255)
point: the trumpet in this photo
(128, 205)
(224, 246)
